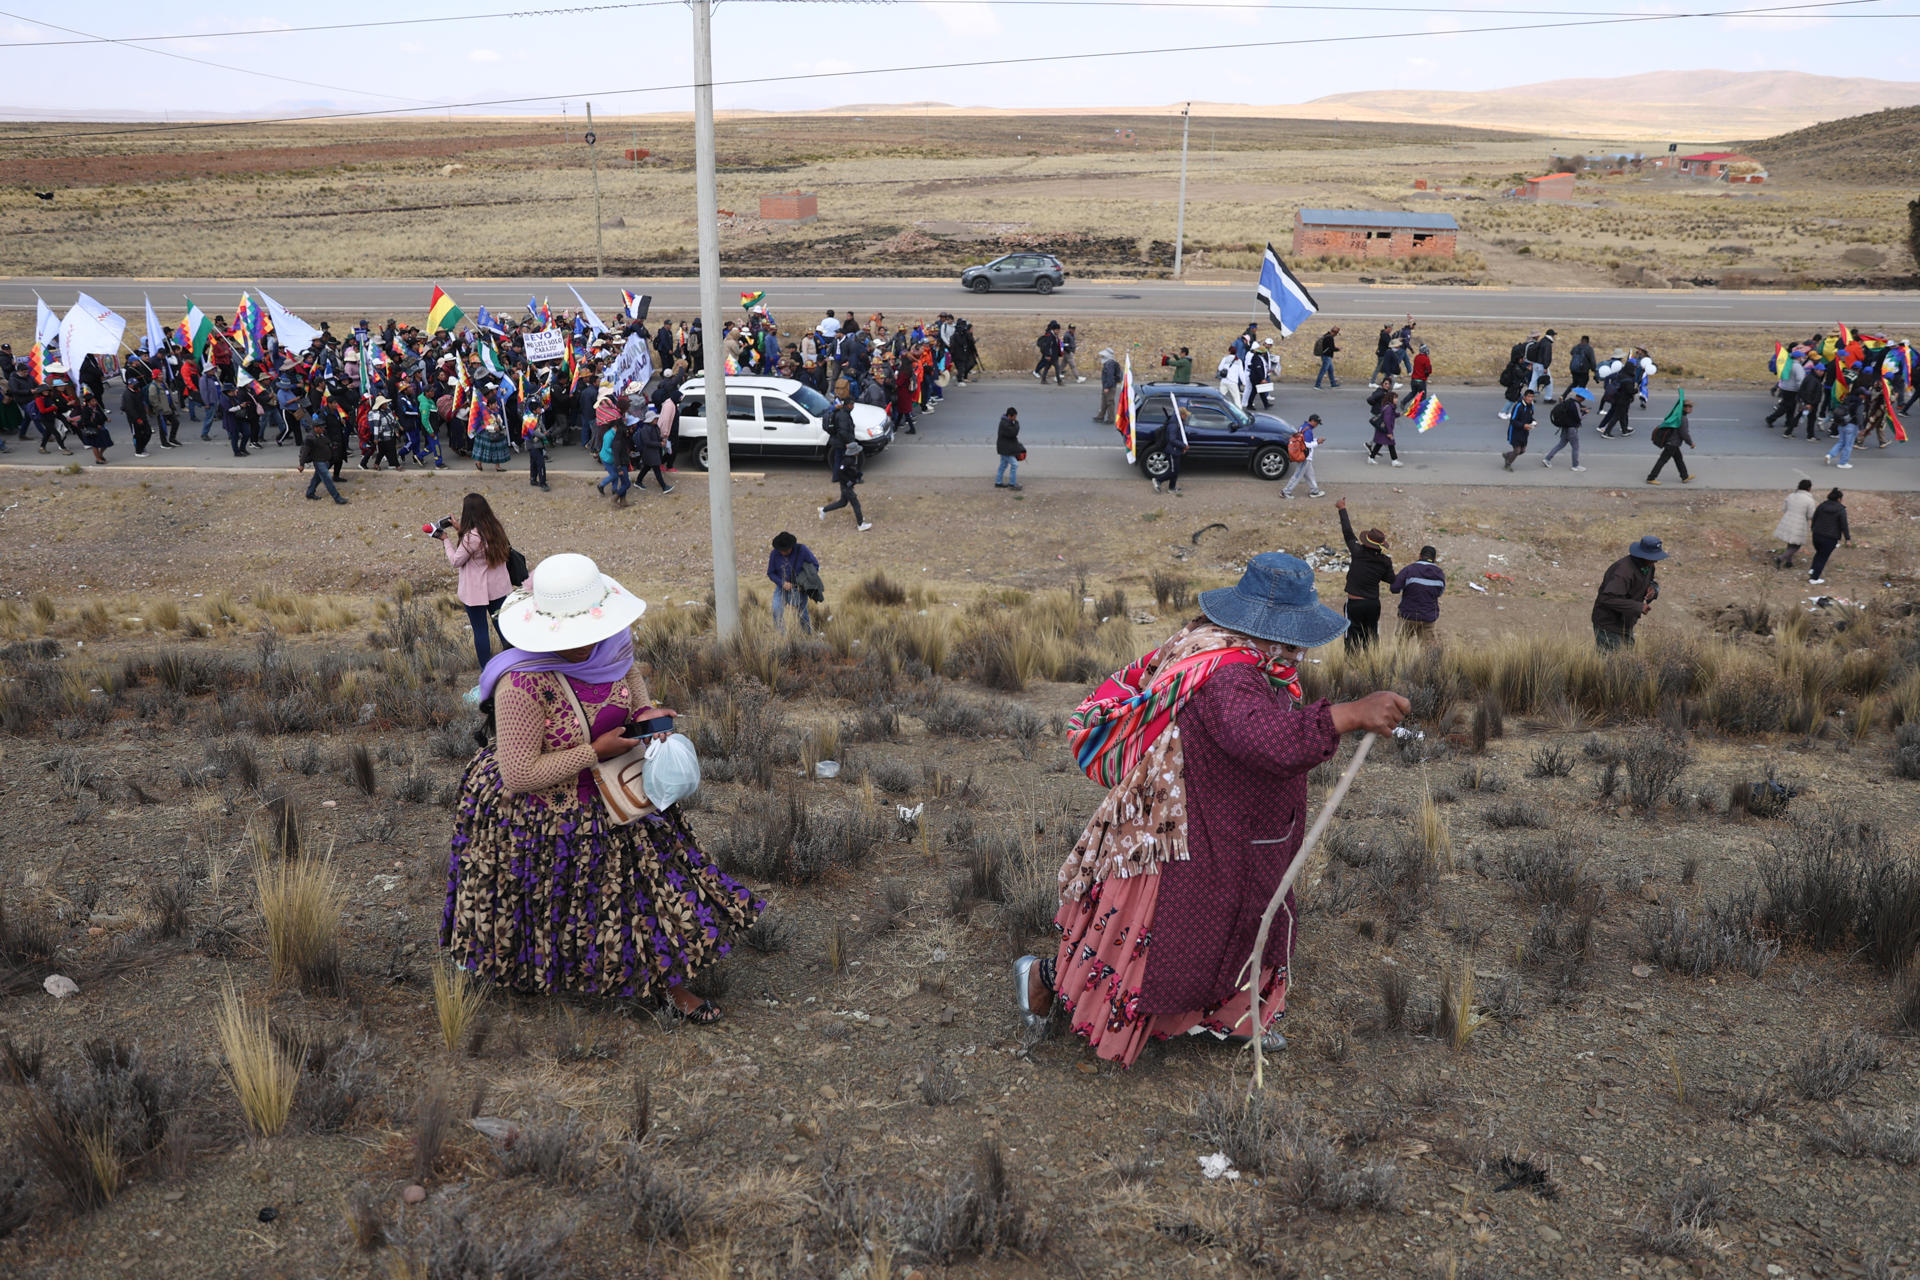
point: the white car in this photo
(774, 417)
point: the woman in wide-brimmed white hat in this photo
(545, 891)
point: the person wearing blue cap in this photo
(1627, 593)
(1566, 418)
(1206, 744)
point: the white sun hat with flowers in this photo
(565, 603)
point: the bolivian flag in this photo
(441, 313)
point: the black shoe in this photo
(313, 497)
(340, 502)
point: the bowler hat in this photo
(1275, 600)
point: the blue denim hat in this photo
(1275, 600)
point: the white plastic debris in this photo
(913, 814)
(826, 769)
(60, 986)
(1477, 587)
(1403, 733)
(1217, 1166)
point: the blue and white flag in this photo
(593, 320)
(485, 321)
(1288, 301)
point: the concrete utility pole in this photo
(599, 257)
(706, 193)
(1180, 221)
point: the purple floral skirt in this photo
(544, 893)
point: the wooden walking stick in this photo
(1251, 974)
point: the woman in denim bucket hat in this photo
(1206, 747)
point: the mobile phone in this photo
(647, 728)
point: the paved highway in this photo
(956, 443)
(1784, 313)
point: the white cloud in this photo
(967, 19)
(483, 55)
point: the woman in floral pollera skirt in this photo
(545, 892)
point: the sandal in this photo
(705, 1015)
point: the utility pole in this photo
(599, 257)
(1180, 221)
(706, 193)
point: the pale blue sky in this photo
(580, 54)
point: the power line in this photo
(969, 64)
(218, 66)
(344, 26)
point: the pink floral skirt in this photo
(1105, 937)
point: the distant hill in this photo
(1882, 147)
(1696, 105)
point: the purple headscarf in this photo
(611, 659)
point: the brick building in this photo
(1549, 186)
(1364, 233)
(790, 206)
(1727, 166)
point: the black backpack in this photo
(516, 566)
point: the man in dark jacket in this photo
(1540, 364)
(1519, 428)
(1368, 566)
(1670, 438)
(1627, 593)
(133, 403)
(1580, 363)
(1419, 587)
(316, 451)
(1325, 346)
(847, 474)
(1048, 344)
(788, 560)
(1008, 445)
(1110, 385)
(1829, 527)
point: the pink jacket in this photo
(479, 584)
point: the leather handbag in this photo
(618, 780)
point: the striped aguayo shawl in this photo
(1111, 731)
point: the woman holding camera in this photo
(477, 546)
(545, 890)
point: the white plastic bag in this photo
(671, 772)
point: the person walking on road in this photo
(1309, 437)
(1386, 414)
(1385, 361)
(1580, 363)
(1829, 528)
(1048, 344)
(1368, 567)
(847, 474)
(1420, 586)
(1566, 418)
(317, 451)
(1627, 592)
(1070, 347)
(1796, 524)
(1421, 371)
(1325, 346)
(1519, 428)
(1007, 444)
(1109, 385)
(1233, 378)
(1172, 441)
(1670, 436)
(1617, 391)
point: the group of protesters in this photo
(1858, 383)
(396, 395)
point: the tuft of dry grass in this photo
(1435, 837)
(264, 1075)
(301, 901)
(1459, 1019)
(458, 997)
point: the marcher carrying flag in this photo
(1427, 411)
(1288, 301)
(1123, 411)
(441, 313)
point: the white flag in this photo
(89, 330)
(593, 321)
(635, 364)
(156, 339)
(295, 334)
(46, 325)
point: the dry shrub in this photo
(458, 998)
(662, 1205)
(1894, 1138)
(432, 1126)
(1720, 936)
(877, 589)
(89, 1133)
(975, 1215)
(301, 901)
(264, 1076)
(1831, 881)
(1835, 1063)
(448, 1245)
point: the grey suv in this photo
(1040, 272)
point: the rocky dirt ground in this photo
(1621, 1096)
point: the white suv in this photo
(775, 417)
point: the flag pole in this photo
(1180, 219)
